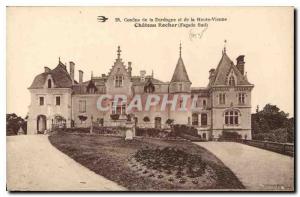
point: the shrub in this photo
(169, 121)
(277, 135)
(229, 135)
(115, 116)
(146, 119)
(82, 118)
(128, 117)
(152, 132)
(13, 124)
(178, 129)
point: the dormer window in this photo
(91, 88)
(149, 87)
(231, 81)
(119, 81)
(49, 83)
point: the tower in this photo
(180, 82)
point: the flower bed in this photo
(173, 165)
(112, 157)
(114, 131)
(154, 132)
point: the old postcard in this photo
(150, 99)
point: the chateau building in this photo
(223, 105)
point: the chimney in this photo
(80, 76)
(142, 75)
(72, 69)
(129, 68)
(47, 69)
(240, 64)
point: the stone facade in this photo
(223, 105)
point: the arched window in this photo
(231, 81)
(49, 83)
(157, 122)
(232, 117)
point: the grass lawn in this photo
(111, 158)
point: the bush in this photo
(75, 130)
(13, 124)
(228, 135)
(178, 129)
(146, 119)
(152, 132)
(277, 135)
(169, 121)
(115, 131)
(82, 118)
(115, 116)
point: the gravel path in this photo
(34, 164)
(256, 168)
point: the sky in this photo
(38, 36)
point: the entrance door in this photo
(157, 124)
(41, 124)
(204, 136)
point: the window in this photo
(222, 98)
(123, 109)
(49, 83)
(57, 100)
(242, 98)
(157, 122)
(203, 119)
(119, 81)
(231, 81)
(204, 103)
(82, 106)
(91, 90)
(118, 108)
(42, 100)
(195, 119)
(231, 118)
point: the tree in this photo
(273, 124)
(13, 124)
(82, 118)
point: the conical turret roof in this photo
(180, 74)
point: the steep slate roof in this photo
(199, 89)
(136, 80)
(180, 74)
(224, 67)
(59, 75)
